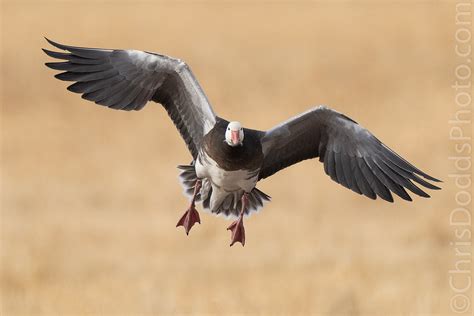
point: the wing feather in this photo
(341, 178)
(351, 155)
(73, 58)
(128, 79)
(348, 174)
(361, 181)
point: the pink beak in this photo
(234, 137)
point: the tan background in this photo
(90, 196)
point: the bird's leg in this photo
(237, 227)
(191, 216)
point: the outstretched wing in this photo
(352, 156)
(128, 79)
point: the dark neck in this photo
(247, 156)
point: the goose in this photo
(228, 160)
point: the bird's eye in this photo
(228, 128)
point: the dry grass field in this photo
(90, 197)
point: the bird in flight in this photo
(228, 159)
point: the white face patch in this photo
(234, 134)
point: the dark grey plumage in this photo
(352, 156)
(128, 79)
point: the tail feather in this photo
(230, 206)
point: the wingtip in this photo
(60, 46)
(50, 65)
(63, 76)
(49, 41)
(425, 195)
(430, 185)
(75, 88)
(428, 177)
(372, 197)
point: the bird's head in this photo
(234, 134)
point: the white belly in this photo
(229, 181)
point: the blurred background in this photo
(90, 196)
